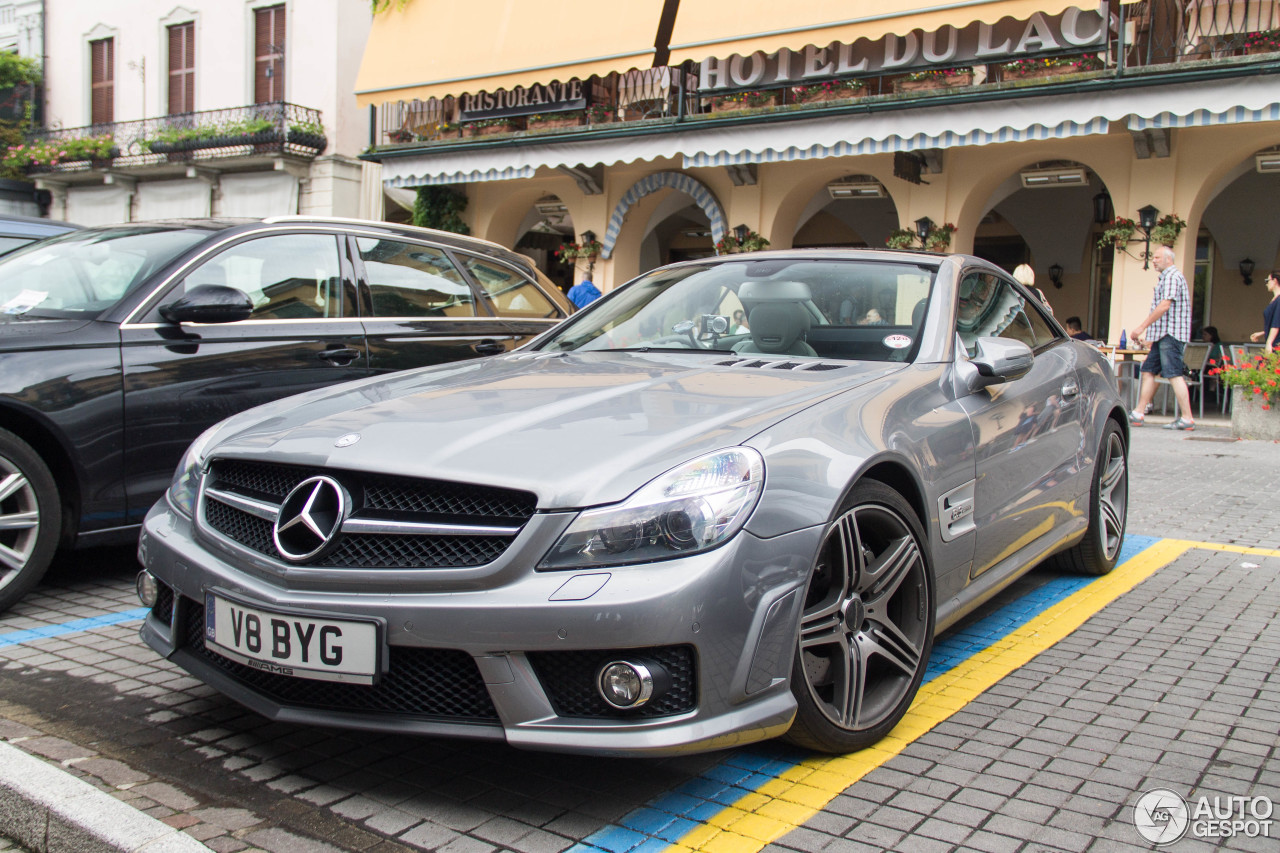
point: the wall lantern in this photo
(1102, 208)
(1055, 275)
(741, 232)
(1246, 270)
(924, 226)
(588, 236)
(1146, 221)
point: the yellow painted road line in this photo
(801, 792)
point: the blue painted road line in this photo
(17, 638)
(746, 770)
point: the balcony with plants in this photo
(188, 138)
(1159, 40)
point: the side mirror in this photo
(209, 303)
(997, 360)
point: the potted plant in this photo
(554, 121)
(1118, 233)
(1255, 395)
(939, 238)
(829, 90)
(901, 238)
(47, 153)
(600, 113)
(744, 101)
(308, 134)
(1266, 41)
(400, 134)
(1167, 229)
(730, 244)
(935, 78)
(490, 126)
(1031, 69)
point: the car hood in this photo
(18, 332)
(575, 429)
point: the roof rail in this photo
(347, 220)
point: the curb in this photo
(47, 810)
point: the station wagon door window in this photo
(411, 280)
(512, 294)
(287, 277)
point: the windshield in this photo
(84, 273)
(833, 309)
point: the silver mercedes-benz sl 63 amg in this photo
(734, 499)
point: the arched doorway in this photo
(1236, 229)
(546, 226)
(1043, 215)
(854, 211)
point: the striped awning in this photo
(1208, 117)
(899, 129)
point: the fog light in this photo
(148, 588)
(625, 685)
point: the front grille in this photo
(379, 497)
(569, 679)
(427, 683)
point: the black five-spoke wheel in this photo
(867, 625)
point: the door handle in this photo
(341, 356)
(489, 348)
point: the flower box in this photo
(1039, 73)
(307, 140)
(470, 130)
(556, 122)
(825, 95)
(930, 83)
(1250, 420)
(728, 103)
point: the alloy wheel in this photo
(864, 632)
(1113, 495)
(19, 521)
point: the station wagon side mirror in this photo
(209, 303)
(996, 360)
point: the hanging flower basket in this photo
(731, 245)
(939, 238)
(1167, 229)
(901, 238)
(1118, 234)
(569, 253)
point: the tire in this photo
(30, 518)
(866, 629)
(1099, 551)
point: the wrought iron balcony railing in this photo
(1154, 36)
(273, 128)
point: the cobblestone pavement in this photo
(1173, 684)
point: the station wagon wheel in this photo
(30, 518)
(867, 625)
(1099, 551)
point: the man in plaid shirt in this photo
(1168, 328)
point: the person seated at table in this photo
(1209, 334)
(1075, 330)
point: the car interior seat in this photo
(777, 328)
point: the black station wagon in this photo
(119, 345)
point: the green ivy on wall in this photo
(440, 208)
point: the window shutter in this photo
(182, 68)
(102, 59)
(268, 66)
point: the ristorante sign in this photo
(523, 101)
(975, 44)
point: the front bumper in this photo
(734, 609)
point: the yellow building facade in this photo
(1029, 127)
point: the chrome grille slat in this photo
(395, 523)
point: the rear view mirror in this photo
(209, 303)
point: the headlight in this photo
(186, 480)
(692, 508)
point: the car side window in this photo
(411, 280)
(512, 294)
(286, 277)
(991, 307)
(1040, 326)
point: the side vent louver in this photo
(780, 365)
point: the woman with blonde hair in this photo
(1024, 275)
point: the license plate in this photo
(290, 644)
